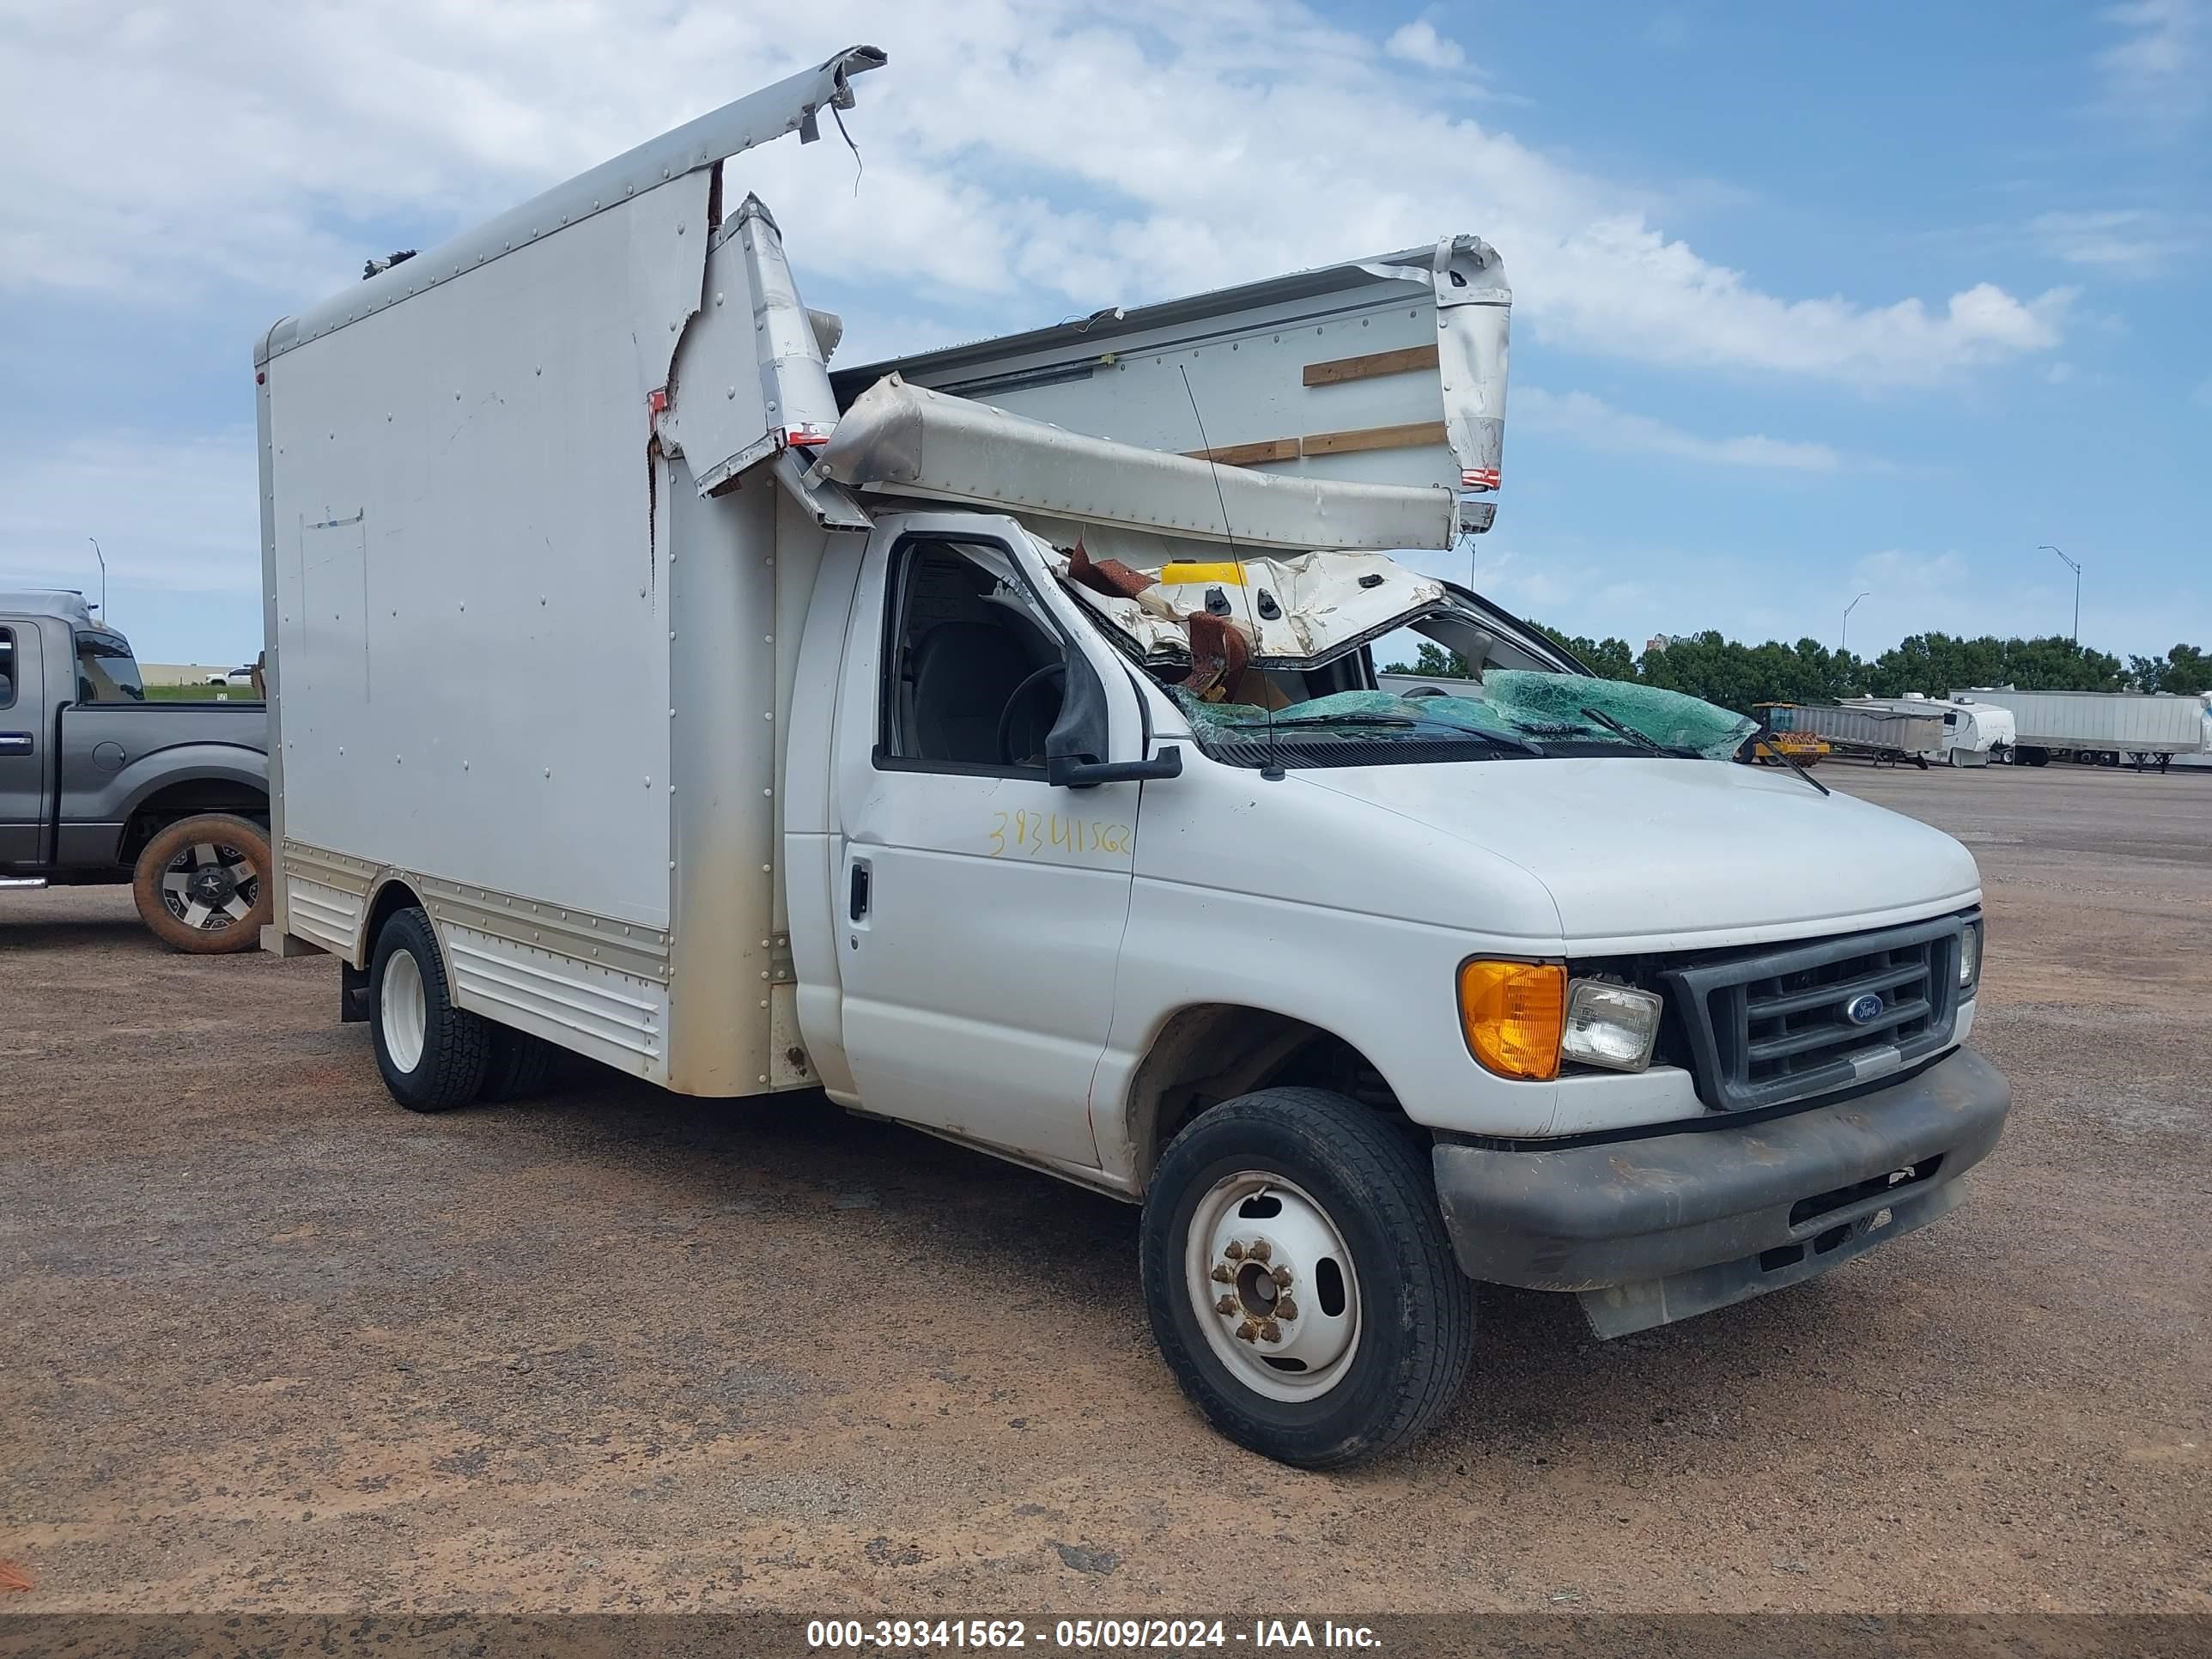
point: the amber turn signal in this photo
(1513, 1013)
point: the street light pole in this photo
(102, 558)
(1853, 606)
(2046, 547)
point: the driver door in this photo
(980, 908)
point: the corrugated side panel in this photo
(325, 915)
(612, 1017)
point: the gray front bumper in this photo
(1658, 1229)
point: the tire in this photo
(203, 885)
(1409, 1309)
(433, 1055)
(515, 1065)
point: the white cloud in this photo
(1092, 154)
(1593, 422)
(1417, 42)
(2127, 241)
(2157, 76)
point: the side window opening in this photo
(7, 668)
(972, 680)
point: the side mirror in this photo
(1068, 774)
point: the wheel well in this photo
(185, 798)
(393, 895)
(1218, 1051)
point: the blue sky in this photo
(1810, 299)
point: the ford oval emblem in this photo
(1863, 1010)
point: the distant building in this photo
(1656, 643)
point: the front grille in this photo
(1767, 1027)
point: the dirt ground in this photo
(271, 1342)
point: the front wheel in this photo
(202, 885)
(1299, 1280)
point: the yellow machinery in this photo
(1777, 737)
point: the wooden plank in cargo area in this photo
(1414, 434)
(1272, 449)
(1405, 360)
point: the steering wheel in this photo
(1420, 691)
(1054, 671)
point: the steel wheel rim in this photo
(209, 885)
(404, 1009)
(1244, 1325)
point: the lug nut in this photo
(1249, 1330)
(1221, 1274)
(1285, 1309)
(1260, 1250)
(1271, 1331)
(1235, 1252)
(1226, 1305)
(1282, 1278)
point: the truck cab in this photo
(992, 743)
(101, 784)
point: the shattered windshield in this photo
(1508, 712)
(1272, 658)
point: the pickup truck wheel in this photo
(433, 1055)
(202, 885)
(1299, 1280)
(515, 1065)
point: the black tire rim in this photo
(211, 885)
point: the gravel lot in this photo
(272, 1342)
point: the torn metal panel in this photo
(907, 440)
(1389, 370)
(789, 106)
(830, 506)
(749, 380)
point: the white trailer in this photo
(1973, 733)
(1017, 774)
(2108, 728)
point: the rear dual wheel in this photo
(435, 1055)
(1299, 1280)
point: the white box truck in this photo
(976, 741)
(2099, 728)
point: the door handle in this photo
(15, 743)
(858, 907)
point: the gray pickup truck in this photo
(100, 783)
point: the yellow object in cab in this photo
(1194, 570)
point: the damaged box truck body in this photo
(991, 741)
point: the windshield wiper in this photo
(1766, 739)
(1672, 751)
(1345, 720)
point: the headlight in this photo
(1511, 1013)
(1522, 1018)
(1970, 956)
(1611, 1025)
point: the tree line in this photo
(1735, 674)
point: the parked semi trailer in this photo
(2107, 728)
(1879, 735)
(1034, 788)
